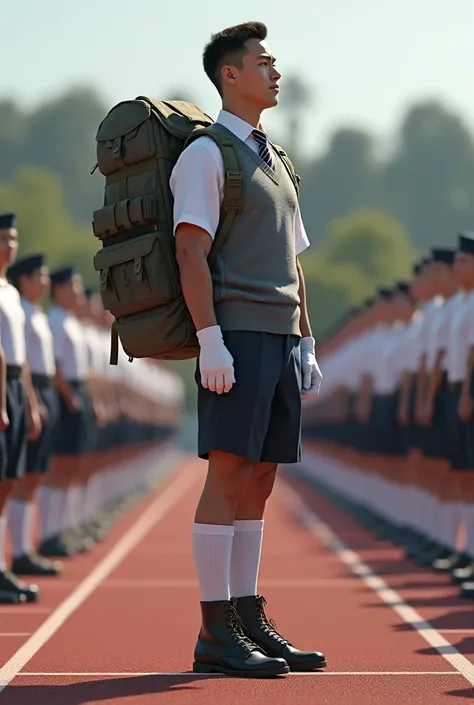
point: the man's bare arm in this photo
(192, 248)
(305, 325)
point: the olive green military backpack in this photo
(138, 144)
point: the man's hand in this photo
(4, 420)
(215, 361)
(310, 372)
(34, 425)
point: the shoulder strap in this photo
(233, 199)
(288, 166)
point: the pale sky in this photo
(366, 59)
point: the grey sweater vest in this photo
(255, 277)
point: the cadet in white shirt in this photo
(22, 408)
(30, 276)
(70, 352)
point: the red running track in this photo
(120, 625)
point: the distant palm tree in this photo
(296, 97)
(179, 94)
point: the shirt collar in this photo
(28, 306)
(236, 125)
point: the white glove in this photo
(310, 372)
(215, 361)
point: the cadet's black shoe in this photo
(14, 590)
(462, 575)
(455, 560)
(223, 646)
(34, 564)
(262, 631)
(467, 590)
(57, 547)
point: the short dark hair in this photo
(228, 46)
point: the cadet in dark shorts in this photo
(71, 438)
(30, 276)
(257, 354)
(22, 413)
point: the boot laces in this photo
(237, 628)
(268, 625)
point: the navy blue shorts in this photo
(458, 432)
(39, 452)
(15, 433)
(260, 418)
(72, 435)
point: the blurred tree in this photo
(44, 224)
(346, 177)
(60, 137)
(13, 125)
(179, 94)
(429, 183)
(331, 290)
(296, 97)
(373, 242)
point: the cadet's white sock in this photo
(245, 560)
(3, 543)
(212, 548)
(20, 525)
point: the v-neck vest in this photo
(255, 277)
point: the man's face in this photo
(37, 285)
(257, 79)
(8, 246)
(464, 270)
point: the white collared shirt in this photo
(460, 329)
(12, 324)
(39, 340)
(197, 181)
(70, 348)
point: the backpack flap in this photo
(122, 138)
(178, 117)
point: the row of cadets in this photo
(19, 418)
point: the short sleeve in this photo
(197, 186)
(301, 238)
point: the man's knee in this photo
(263, 477)
(229, 475)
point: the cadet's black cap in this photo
(7, 220)
(466, 243)
(441, 254)
(62, 275)
(25, 265)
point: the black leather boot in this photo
(224, 647)
(262, 631)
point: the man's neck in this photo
(248, 113)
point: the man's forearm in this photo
(305, 325)
(33, 403)
(3, 380)
(196, 283)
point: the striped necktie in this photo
(264, 151)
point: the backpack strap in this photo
(233, 198)
(288, 166)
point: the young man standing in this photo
(256, 358)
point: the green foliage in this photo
(368, 216)
(44, 223)
(372, 241)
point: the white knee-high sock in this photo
(20, 526)
(212, 549)
(3, 542)
(245, 562)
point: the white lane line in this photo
(124, 583)
(391, 598)
(131, 674)
(155, 512)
